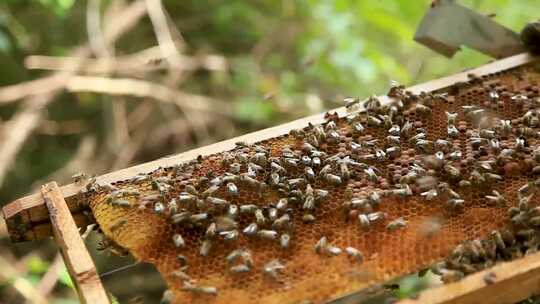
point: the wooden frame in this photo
(76, 257)
(28, 217)
(506, 282)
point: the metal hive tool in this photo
(436, 190)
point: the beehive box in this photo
(436, 183)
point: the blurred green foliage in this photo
(287, 59)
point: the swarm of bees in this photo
(259, 222)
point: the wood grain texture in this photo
(25, 213)
(76, 257)
(512, 282)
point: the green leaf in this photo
(36, 265)
(64, 277)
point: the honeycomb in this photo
(360, 217)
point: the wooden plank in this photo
(19, 213)
(512, 282)
(76, 257)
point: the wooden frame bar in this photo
(27, 217)
(507, 282)
(76, 257)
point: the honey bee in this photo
(242, 268)
(209, 290)
(272, 269)
(267, 234)
(399, 223)
(178, 241)
(354, 254)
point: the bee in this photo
(211, 190)
(490, 278)
(397, 224)
(294, 182)
(448, 276)
(250, 208)
(374, 121)
(404, 191)
(261, 220)
(422, 109)
(120, 203)
(394, 130)
(240, 253)
(281, 222)
(520, 144)
(321, 245)
(307, 147)
(117, 225)
(493, 177)
(232, 189)
(217, 201)
(406, 129)
(497, 198)
(182, 259)
(354, 254)
(451, 118)
(380, 155)
(316, 161)
(308, 218)
(272, 269)
(333, 250)
(232, 211)
(272, 214)
(186, 198)
(364, 221)
(333, 179)
(178, 241)
(251, 229)
(79, 177)
(230, 235)
(423, 145)
(452, 171)
(180, 217)
(358, 128)
(371, 174)
(505, 127)
(393, 140)
(430, 194)
(242, 268)
(452, 131)
(285, 240)
(333, 136)
(229, 178)
(535, 221)
(181, 275)
(277, 168)
(282, 204)
(259, 159)
(493, 95)
(267, 234)
(351, 102)
(208, 290)
(455, 203)
(393, 151)
(355, 147)
(242, 144)
(486, 133)
(206, 245)
(309, 173)
(442, 145)
(159, 208)
(199, 217)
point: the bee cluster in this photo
(296, 217)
